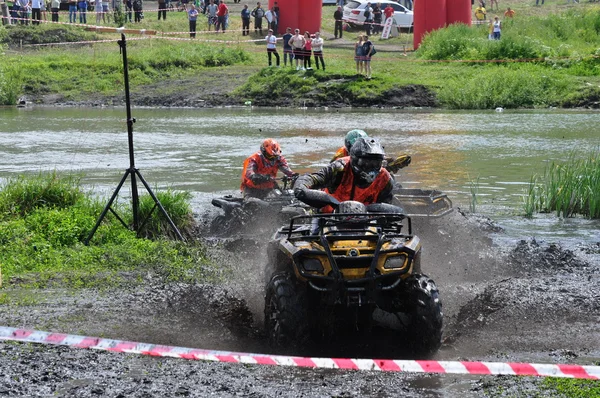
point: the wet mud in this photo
(528, 301)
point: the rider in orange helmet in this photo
(260, 169)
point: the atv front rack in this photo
(388, 226)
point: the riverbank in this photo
(541, 62)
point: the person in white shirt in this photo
(272, 47)
(317, 47)
(36, 11)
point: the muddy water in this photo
(202, 150)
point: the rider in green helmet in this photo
(392, 165)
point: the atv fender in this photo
(227, 204)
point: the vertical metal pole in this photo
(134, 191)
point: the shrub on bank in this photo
(567, 188)
(45, 219)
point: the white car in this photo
(354, 12)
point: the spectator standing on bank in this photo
(192, 16)
(358, 55)
(497, 28)
(276, 12)
(480, 13)
(36, 11)
(137, 10)
(246, 21)
(337, 16)
(537, 2)
(222, 13)
(377, 14)
(297, 42)
(509, 13)
(492, 5)
(272, 47)
(129, 9)
(258, 13)
(367, 49)
(43, 9)
(317, 47)
(211, 12)
(287, 48)
(72, 11)
(307, 51)
(23, 6)
(368, 13)
(82, 6)
(162, 9)
(55, 8)
(388, 12)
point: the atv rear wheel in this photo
(424, 309)
(286, 315)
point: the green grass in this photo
(567, 189)
(45, 219)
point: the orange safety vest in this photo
(348, 191)
(341, 153)
(261, 168)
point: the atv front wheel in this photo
(286, 315)
(424, 309)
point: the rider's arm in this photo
(328, 177)
(284, 168)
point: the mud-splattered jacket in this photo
(258, 164)
(338, 180)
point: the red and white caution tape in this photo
(384, 365)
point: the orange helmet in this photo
(270, 149)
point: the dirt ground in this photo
(530, 302)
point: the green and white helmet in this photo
(352, 136)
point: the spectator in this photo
(272, 47)
(358, 55)
(307, 51)
(193, 16)
(537, 2)
(497, 28)
(509, 13)
(287, 48)
(492, 4)
(36, 13)
(43, 9)
(162, 9)
(297, 42)
(72, 11)
(258, 13)
(367, 49)
(388, 12)
(222, 13)
(23, 5)
(368, 13)
(377, 14)
(246, 21)
(275, 10)
(480, 13)
(137, 10)
(55, 8)
(271, 19)
(491, 29)
(337, 16)
(82, 6)
(317, 47)
(211, 12)
(128, 8)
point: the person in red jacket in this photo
(260, 169)
(360, 176)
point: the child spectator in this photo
(272, 47)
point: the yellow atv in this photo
(327, 269)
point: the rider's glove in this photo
(260, 178)
(400, 162)
(295, 175)
(299, 193)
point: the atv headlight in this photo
(312, 264)
(395, 262)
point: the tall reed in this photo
(568, 188)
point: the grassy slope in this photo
(77, 72)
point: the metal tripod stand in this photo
(132, 171)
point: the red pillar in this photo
(459, 12)
(428, 15)
(299, 14)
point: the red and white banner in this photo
(384, 365)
